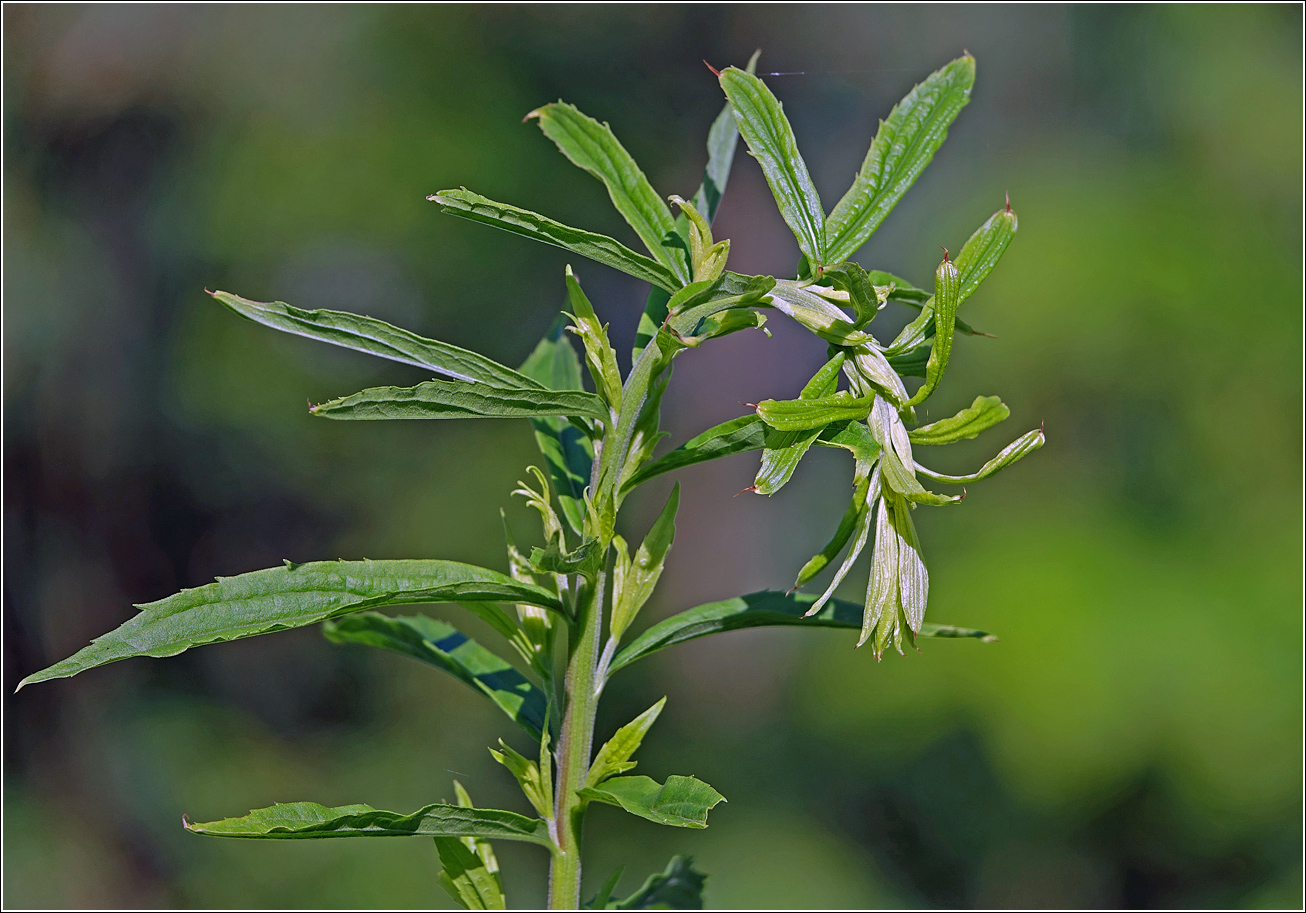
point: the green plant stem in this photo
(574, 746)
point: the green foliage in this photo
(582, 579)
(310, 821)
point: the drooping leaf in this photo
(678, 887)
(739, 435)
(783, 450)
(848, 524)
(763, 609)
(614, 757)
(1025, 444)
(947, 296)
(682, 802)
(567, 452)
(902, 147)
(443, 646)
(453, 399)
(290, 597)
(608, 251)
(770, 139)
(982, 414)
(630, 594)
(898, 588)
(817, 314)
(309, 821)
(805, 414)
(376, 337)
(592, 146)
(469, 870)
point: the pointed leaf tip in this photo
(715, 71)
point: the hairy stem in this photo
(574, 746)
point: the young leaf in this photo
(599, 357)
(739, 435)
(451, 399)
(1025, 444)
(466, 877)
(376, 337)
(765, 609)
(902, 147)
(310, 821)
(857, 282)
(601, 900)
(984, 249)
(567, 452)
(770, 139)
(592, 146)
(608, 251)
(438, 644)
(645, 567)
(784, 449)
(947, 296)
(585, 559)
(614, 757)
(805, 414)
(469, 870)
(982, 414)
(678, 887)
(290, 597)
(535, 780)
(682, 802)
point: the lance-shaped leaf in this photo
(902, 147)
(599, 357)
(982, 414)
(376, 337)
(603, 899)
(767, 608)
(984, 249)
(947, 297)
(567, 452)
(770, 139)
(784, 449)
(739, 435)
(310, 821)
(682, 802)
(630, 593)
(469, 870)
(451, 399)
(1025, 444)
(678, 887)
(466, 877)
(592, 146)
(805, 414)
(290, 597)
(443, 646)
(608, 251)
(614, 757)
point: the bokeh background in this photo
(1133, 740)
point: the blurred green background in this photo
(1134, 739)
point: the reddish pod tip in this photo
(1008, 193)
(715, 71)
(945, 253)
(742, 490)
